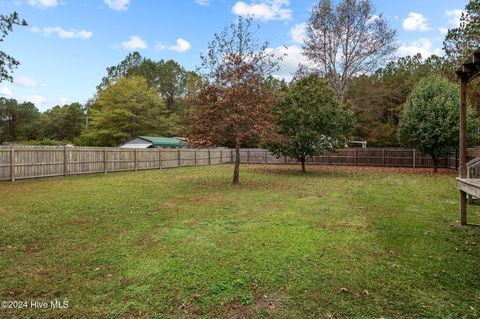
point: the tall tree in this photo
(167, 77)
(430, 119)
(378, 98)
(346, 40)
(234, 104)
(461, 41)
(18, 120)
(63, 123)
(310, 120)
(7, 62)
(125, 110)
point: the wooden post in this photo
(178, 157)
(135, 159)
(65, 161)
(221, 156)
(383, 157)
(209, 158)
(355, 160)
(105, 158)
(195, 155)
(414, 158)
(463, 208)
(159, 158)
(286, 159)
(266, 157)
(248, 156)
(463, 148)
(12, 164)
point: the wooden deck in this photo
(471, 186)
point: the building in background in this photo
(156, 142)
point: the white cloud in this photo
(454, 16)
(119, 5)
(423, 46)
(62, 33)
(443, 30)
(291, 58)
(203, 2)
(415, 21)
(6, 92)
(297, 32)
(43, 3)
(264, 10)
(25, 82)
(35, 99)
(180, 46)
(135, 43)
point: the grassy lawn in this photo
(184, 243)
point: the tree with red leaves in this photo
(234, 103)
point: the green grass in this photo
(184, 243)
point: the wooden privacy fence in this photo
(21, 162)
(388, 157)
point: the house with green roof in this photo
(156, 142)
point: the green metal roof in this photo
(165, 141)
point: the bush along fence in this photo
(387, 157)
(23, 162)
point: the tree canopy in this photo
(460, 42)
(7, 62)
(234, 104)
(125, 110)
(347, 39)
(310, 120)
(430, 119)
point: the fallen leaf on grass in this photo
(272, 305)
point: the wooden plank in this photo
(65, 161)
(105, 161)
(12, 164)
(159, 158)
(135, 168)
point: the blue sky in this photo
(69, 43)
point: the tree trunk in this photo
(302, 160)
(435, 163)
(236, 171)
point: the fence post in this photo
(209, 160)
(65, 161)
(178, 157)
(105, 167)
(248, 156)
(355, 156)
(135, 159)
(266, 157)
(195, 156)
(414, 159)
(286, 160)
(159, 158)
(383, 157)
(12, 164)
